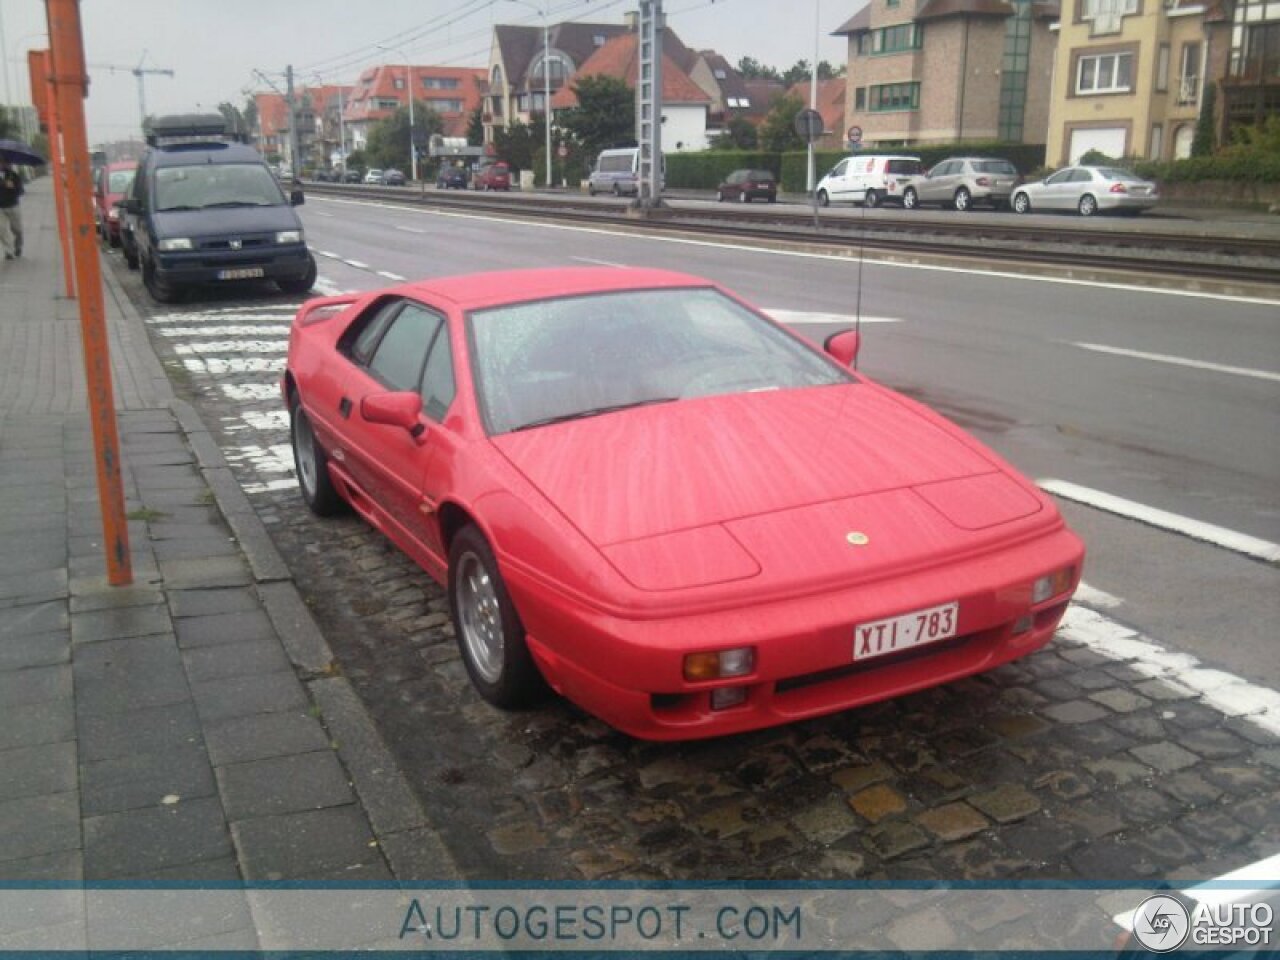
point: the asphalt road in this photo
(1111, 753)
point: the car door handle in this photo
(344, 407)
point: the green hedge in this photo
(1249, 167)
(706, 170)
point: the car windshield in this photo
(995, 166)
(119, 181)
(216, 185)
(551, 360)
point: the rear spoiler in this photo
(304, 314)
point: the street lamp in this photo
(408, 82)
(546, 76)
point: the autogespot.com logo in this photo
(1161, 923)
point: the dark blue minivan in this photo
(205, 209)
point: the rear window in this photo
(909, 167)
(759, 175)
(617, 164)
(1115, 173)
(995, 166)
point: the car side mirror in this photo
(402, 408)
(843, 346)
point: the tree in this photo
(388, 144)
(605, 115)
(1202, 142)
(796, 73)
(753, 69)
(740, 134)
(475, 128)
(250, 114)
(518, 142)
(7, 127)
(778, 131)
(234, 118)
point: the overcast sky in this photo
(214, 46)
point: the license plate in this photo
(883, 637)
(241, 273)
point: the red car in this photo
(492, 176)
(114, 181)
(681, 516)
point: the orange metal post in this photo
(42, 60)
(71, 85)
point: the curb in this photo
(404, 831)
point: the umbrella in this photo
(15, 151)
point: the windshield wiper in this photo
(593, 412)
(179, 207)
(237, 203)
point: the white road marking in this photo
(250, 392)
(276, 314)
(806, 255)
(1179, 361)
(355, 263)
(326, 287)
(800, 318)
(1093, 597)
(330, 254)
(267, 419)
(221, 366)
(1224, 692)
(390, 276)
(407, 229)
(1195, 529)
(279, 347)
(598, 263)
(319, 214)
(232, 331)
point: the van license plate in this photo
(241, 273)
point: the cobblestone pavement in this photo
(1085, 760)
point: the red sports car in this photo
(644, 492)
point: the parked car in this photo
(324, 175)
(205, 209)
(111, 186)
(871, 179)
(492, 176)
(374, 176)
(452, 177)
(353, 175)
(552, 445)
(1088, 190)
(748, 185)
(393, 178)
(963, 182)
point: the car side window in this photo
(1081, 176)
(360, 341)
(402, 351)
(438, 384)
(1062, 176)
(840, 168)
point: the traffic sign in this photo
(809, 125)
(855, 135)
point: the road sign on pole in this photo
(854, 136)
(809, 126)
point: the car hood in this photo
(220, 221)
(678, 467)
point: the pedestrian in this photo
(10, 217)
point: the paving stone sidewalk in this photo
(190, 726)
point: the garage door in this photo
(1108, 140)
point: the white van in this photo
(618, 172)
(869, 179)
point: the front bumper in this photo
(289, 261)
(629, 673)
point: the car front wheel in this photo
(303, 284)
(872, 199)
(490, 635)
(1088, 205)
(161, 290)
(909, 199)
(311, 464)
(823, 199)
(1021, 203)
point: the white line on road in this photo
(355, 263)
(276, 330)
(598, 263)
(1195, 529)
(390, 276)
(1179, 361)
(317, 213)
(800, 318)
(327, 287)
(1093, 597)
(277, 347)
(407, 229)
(806, 255)
(330, 254)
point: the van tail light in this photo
(1119, 188)
(983, 182)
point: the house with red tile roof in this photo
(272, 132)
(684, 103)
(453, 92)
(830, 105)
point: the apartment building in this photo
(937, 71)
(452, 92)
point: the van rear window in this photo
(619, 164)
(904, 167)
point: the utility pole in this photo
(812, 175)
(292, 106)
(649, 104)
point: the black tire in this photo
(591, 190)
(617, 190)
(872, 199)
(743, 198)
(823, 199)
(303, 284)
(1021, 203)
(161, 291)
(130, 257)
(963, 200)
(1088, 205)
(909, 199)
(311, 464)
(490, 636)
(113, 240)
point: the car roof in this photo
(185, 154)
(477, 290)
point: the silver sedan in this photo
(1087, 190)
